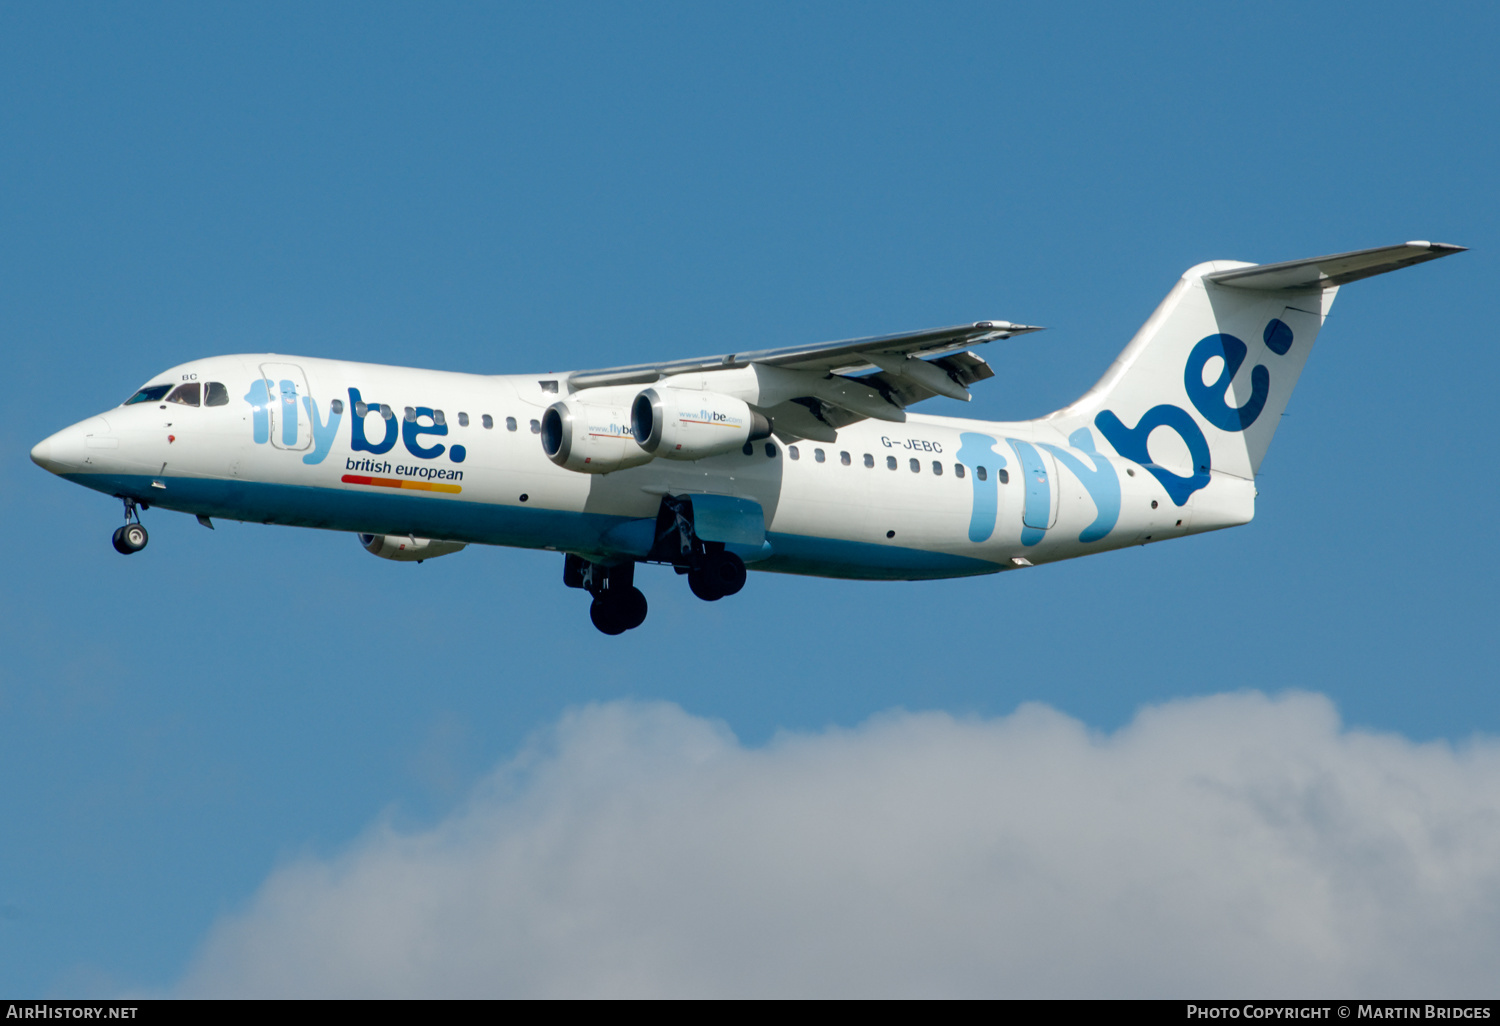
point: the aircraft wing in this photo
(843, 357)
(911, 366)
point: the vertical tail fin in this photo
(1217, 361)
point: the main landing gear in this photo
(618, 604)
(132, 537)
(712, 573)
(717, 574)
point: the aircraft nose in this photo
(66, 451)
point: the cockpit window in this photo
(218, 395)
(187, 395)
(149, 394)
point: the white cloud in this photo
(1230, 846)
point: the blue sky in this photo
(495, 188)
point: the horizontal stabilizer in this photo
(1328, 272)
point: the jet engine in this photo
(406, 549)
(682, 424)
(589, 437)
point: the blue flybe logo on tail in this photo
(1211, 402)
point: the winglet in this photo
(1328, 272)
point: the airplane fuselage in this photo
(799, 459)
(457, 457)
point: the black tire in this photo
(704, 585)
(633, 608)
(728, 571)
(608, 617)
(130, 538)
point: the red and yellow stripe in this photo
(397, 482)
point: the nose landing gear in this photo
(132, 537)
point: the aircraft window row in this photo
(891, 463)
(214, 393)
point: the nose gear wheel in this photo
(132, 537)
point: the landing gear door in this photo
(285, 386)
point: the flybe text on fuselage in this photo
(409, 430)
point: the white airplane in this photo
(801, 460)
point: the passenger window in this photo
(536, 425)
(890, 463)
(937, 469)
(336, 405)
(818, 455)
(916, 466)
(844, 458)
(411, 414)
(1004, 476)
(148, 395)
(869, 460)
(791, 451)
(186, 395)
(438, 419)
(980, 473)
(463, 420)
(770, 450)
(958, 471)
(218, 395)
(361, 409)
(385, 411)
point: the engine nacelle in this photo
(590, 438)
(406, 549)
(682, 424)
